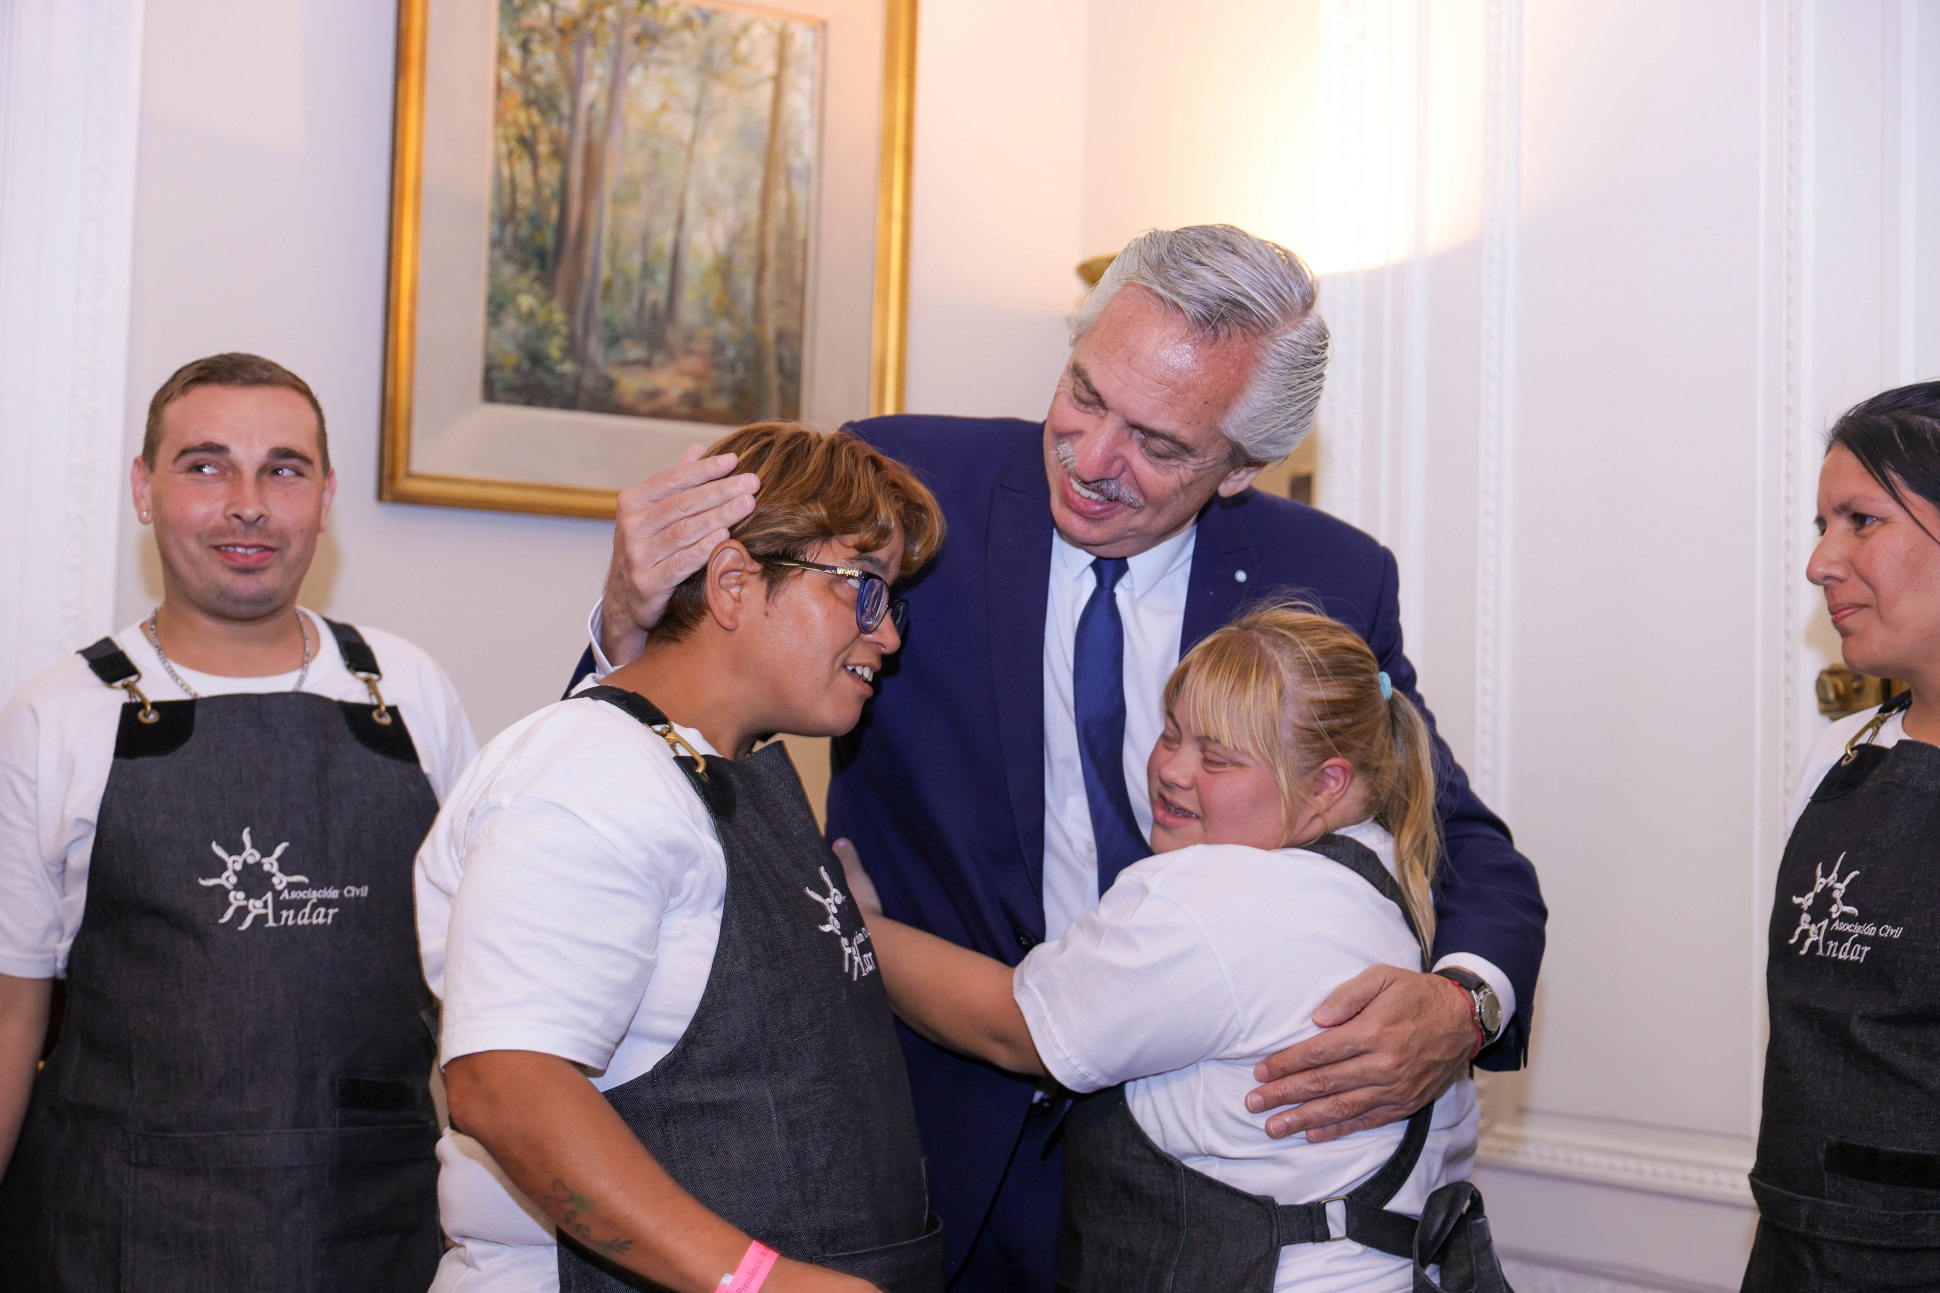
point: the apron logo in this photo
(1814, 932)
(279, 886)
(855, 961)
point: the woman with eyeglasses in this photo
(669, 1058)
(1848, 1172)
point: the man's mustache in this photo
(1110, 489)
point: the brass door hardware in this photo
(1842, 691)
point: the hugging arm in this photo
(950, 995)
(953, 996)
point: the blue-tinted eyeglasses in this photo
(872, 601)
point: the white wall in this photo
(1599, 276)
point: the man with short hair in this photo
(207, 825)
(998, 785)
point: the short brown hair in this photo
(815, 486)
(232, 369)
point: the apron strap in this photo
(1360, 859)
(109, 662)
(1364, 1217)
(112, 666)
(714, 790)
(362, 663)
(358, 657)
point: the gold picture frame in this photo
(868, 353)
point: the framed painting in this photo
(620, 227)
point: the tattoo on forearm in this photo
(572, 1210)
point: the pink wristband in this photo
(752, 1273)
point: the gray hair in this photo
(1228, 283)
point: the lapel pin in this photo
(1239, 576)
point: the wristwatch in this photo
(1488, 1006)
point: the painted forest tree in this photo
(652, 163)
(767, 373)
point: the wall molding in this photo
(1501, 203)
(1343, 147)
(69, 130)
(1682, 1174)
(1532, 1274)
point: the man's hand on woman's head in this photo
(1394, 1040)
(664, 530)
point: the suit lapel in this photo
(1223, 562)
(1017, 582)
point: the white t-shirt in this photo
(1196, 965)
(1831, 747)
(57, 743)
(569, 902)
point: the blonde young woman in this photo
(1295, 839)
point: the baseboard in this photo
(1714, 1177)
(1530, 1274)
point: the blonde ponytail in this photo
(1410, 814)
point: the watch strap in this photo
(1476, 986)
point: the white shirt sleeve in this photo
(439, 726)
(1132, 988)
(456, 745)
(1828, 749)
(601, 665)
(1485, 970)
(554, 934)
(30, 876)
(556, 923)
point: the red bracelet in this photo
(752, 1273)
(1468, 1000)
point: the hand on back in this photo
(1393, 1041)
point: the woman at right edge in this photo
(1848, 1171)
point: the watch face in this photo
(1491, 1013)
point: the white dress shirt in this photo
(1152, 605)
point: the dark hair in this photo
(232, 369)
(1896, 437)
(815, 486)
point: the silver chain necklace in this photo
(155, 640)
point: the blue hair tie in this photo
(1387, 686)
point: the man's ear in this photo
(138, 485)
(329, 494)
(1239, 478)
(731, 581)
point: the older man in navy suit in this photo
(996, 785)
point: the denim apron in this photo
(784, 1108)
(1138, 1220)
(239, 1097)
(1847, 1176)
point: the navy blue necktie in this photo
(1098, 692)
